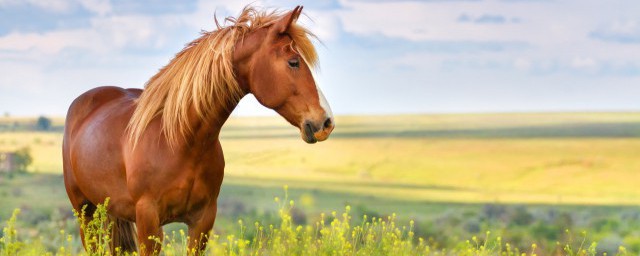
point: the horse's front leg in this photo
(149, 229)
(199, 229)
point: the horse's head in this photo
(274, 64)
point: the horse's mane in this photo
(201, 77)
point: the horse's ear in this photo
(282, 25)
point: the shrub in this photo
(9, 244)
(23, 159)
(43, 124)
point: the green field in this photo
(457, 175)
(570, 158)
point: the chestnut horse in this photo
(156, 152)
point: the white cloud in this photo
(58, 6)
(620, 31)
(113, 32)
(554, 32)
(130, 31)
(100, 7)
(105, 35)
(422, 21)
(324, 24)
(51, 42)
(522, 64)
(203, 18)
(545, 24)
(21, 76)
(584, 63)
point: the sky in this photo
(376, 57)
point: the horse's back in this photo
(93, 99)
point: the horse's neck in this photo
(207, 130)
(210, 127)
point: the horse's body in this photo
(153, 182)
(159, 166)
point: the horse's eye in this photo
(294, 63)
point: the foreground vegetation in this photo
(333, 234)
(443, 226)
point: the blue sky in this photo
(377, 57)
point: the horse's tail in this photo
(123, 236)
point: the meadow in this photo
(535, 178)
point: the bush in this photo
(43, 124)
(23, 159)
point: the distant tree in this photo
(6, 114)
(43, 124)
(23, 159)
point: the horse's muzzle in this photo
(313, 132)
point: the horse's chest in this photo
(192, 188)
(189, 197)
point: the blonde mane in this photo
(201, 77)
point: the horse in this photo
(156, 154)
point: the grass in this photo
(46, 148)
(36, 194)
(525, 158)
(46, 211)
(513, 170)
(333, 234)
(509, 158)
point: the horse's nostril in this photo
(328, 123)
(308, 132)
